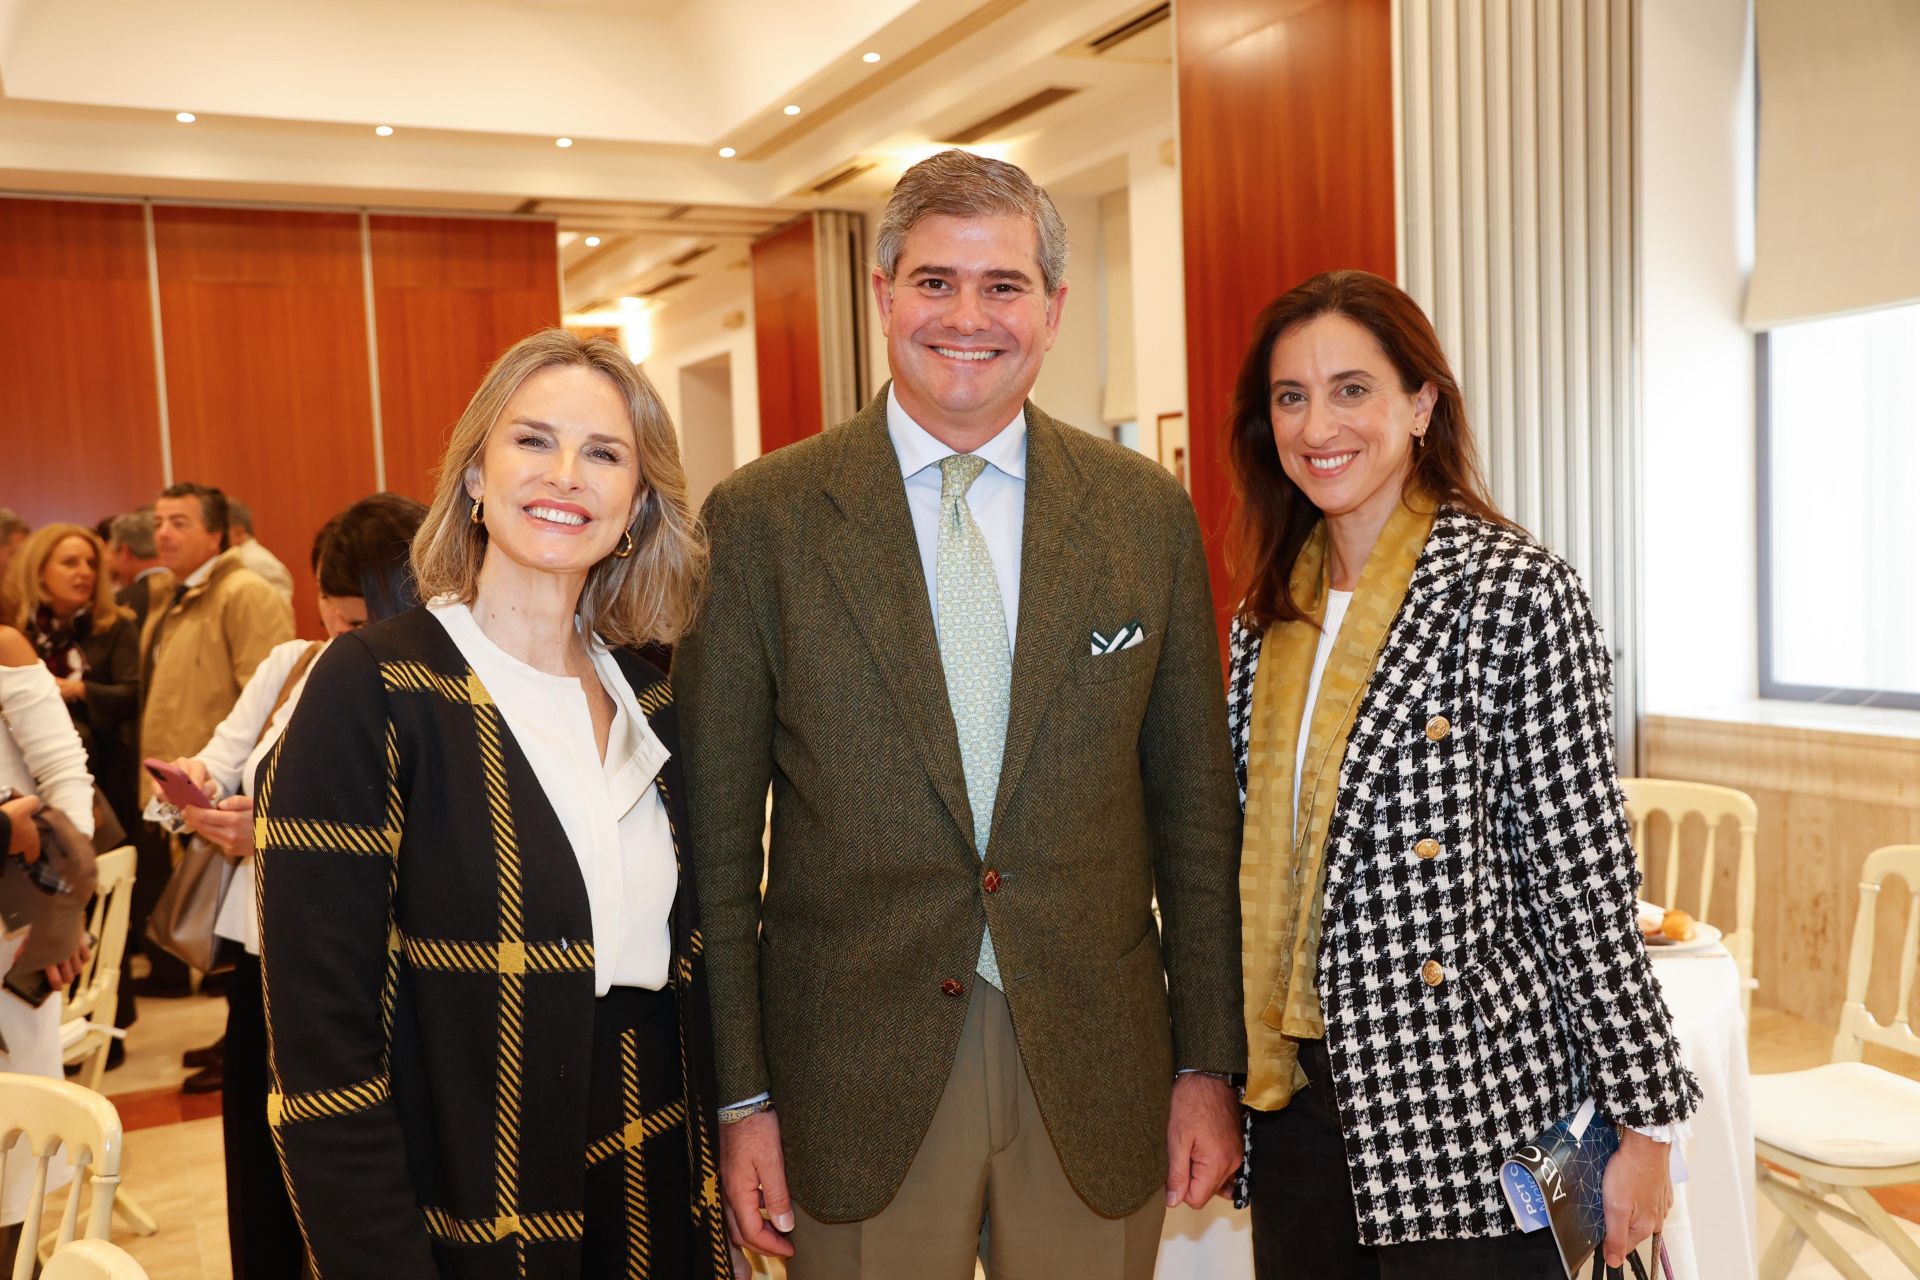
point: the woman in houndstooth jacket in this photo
(1439, 947)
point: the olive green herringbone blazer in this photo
(815, 667)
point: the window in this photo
(1840, 509)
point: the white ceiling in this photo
(287, 94)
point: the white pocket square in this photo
(1125, 638)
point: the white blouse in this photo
(611, 810)
(40, 754)
(233, 754)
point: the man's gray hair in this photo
(134, 531)
(959, 184)
(239, 513)
(11, 523)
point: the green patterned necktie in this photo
(975, 655)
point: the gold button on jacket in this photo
(1428, 848)
(1438, 728)
(1432, 973)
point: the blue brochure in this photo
(1554, 1182)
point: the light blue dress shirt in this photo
(998, 500)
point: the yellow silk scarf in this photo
(1282, 853)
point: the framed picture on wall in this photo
(1172, 430)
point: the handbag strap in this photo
(291, 683)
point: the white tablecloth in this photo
(1710, 1234)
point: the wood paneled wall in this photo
(79, 408)
(264, 323)
(1286, 169)
(450, 294)
(786, 339)
(264, 320)
(1826, 800)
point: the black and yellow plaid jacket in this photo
(428, 958)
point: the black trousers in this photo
(1304, 1224)
(262, 1235)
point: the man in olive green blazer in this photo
(973, 651)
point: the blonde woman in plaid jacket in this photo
(1439, 947)
(485, 997)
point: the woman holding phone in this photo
(1440, 954)
(361, 565)
(486, 1004)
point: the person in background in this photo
(41, 763)
(477, 940)
(13, 532)
(62, 603)
(252, 553)
(360, 561)
(134, 563)
(214, 623)
(1441, 958)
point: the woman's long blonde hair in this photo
(651, 595)
(25, 588)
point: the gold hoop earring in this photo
(473, 513)
(626, 547)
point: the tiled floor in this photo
(173, 1158)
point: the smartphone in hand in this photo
(175, 785)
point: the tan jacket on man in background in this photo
(198, 651)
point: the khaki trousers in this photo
(986, 1184)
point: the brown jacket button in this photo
(1428, 848)
(951, 987)
(1432, 973)
(1438, 728)
(991, 882)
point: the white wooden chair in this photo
(92, 1260)
(1846, 1126)
(86, 1028)
(56, 1116)
(1648, 796)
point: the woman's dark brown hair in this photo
(1271, 518)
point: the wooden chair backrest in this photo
(55, 1116)
(1676, 800)
(1858, 1026)
(97, 989)
(92, 1260)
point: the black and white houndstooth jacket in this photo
(1476, 995)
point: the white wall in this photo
(1695, 123)
(1159, 285)
(715, 318)
(1073, 379)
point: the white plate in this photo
(1705, 938)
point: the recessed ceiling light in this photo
(728, 153)
(869, 57)
(185, 117)
(593, 242)
(792, 109)
(563, 143)
(383, 130)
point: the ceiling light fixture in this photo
(593, 242)
(563, 143)
(185, 117)
(383, 131)
(728, 153)
(869, 57)
(792, 110)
